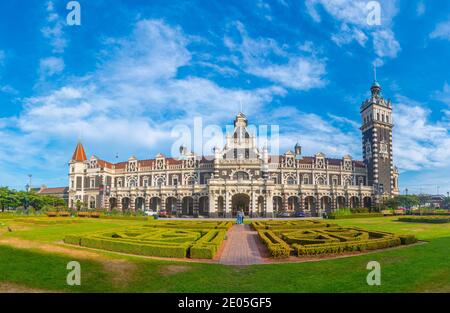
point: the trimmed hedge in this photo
(191, 224)
(161, 242)
(325, 240)
(290, 224)
(207, 246)
(425, 219)
(117, 245)
(347, 246)
(276, 246)
(355, 215)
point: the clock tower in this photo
(377, 124)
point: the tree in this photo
(8, 199)
(408, 201)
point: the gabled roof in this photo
(79, 155)
(55, 190)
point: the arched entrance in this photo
(240, 202)
(139, 204)
(367, 202)
(125, 204)
(112, 203)
(171, 205)
(293, 204)
(310, 205)
(325, 204)
(203, 206)
(354, 202)
(187, 207)
(340, 202)
(277, 204)
(155, 204)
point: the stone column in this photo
(227, 205)
(147, 204)
(285, 202)
(132, 203)
(119, 203)
(213, 206)
(106, 203)
(195, 209)
(179, 206)
(269, 205)
(252, 205)
(302, 202)
(163, 203)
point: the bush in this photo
(208, 245)
(276, 246)
(407, 239)
(153, 241)
(160, 250)
(356, 215)
(425, 219)
(334, 248)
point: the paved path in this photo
(242, 247)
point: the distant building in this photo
(243, 177)
(60, 192)
(433, 201)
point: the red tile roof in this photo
(79, 155)
(54, 190)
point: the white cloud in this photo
(54, 29)
(421, 8)
(419, 143)
(129, 104)
(444, 94)
(2, 57)
(264, 57)
(51, 66)
(441, 31)
(385, 44)
(353, 26)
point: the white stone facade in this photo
(238, 177)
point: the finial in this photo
(240, 103)
(374, 72)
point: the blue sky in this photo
(135, 69)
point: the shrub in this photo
(425, 219)
(356, 215)
(276, 246)
(407, 239)
(153, 241)
(334, 248)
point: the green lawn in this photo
(419, 268)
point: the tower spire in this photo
(79, 155)
(374, 72)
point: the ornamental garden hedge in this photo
(179, 239)
(425, 219)
(309, 237)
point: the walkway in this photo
(242, 247)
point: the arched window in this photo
(290, 181)
(160, 182)
(320, 181)
(190, 181)
(306, 180)
(241, 176)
